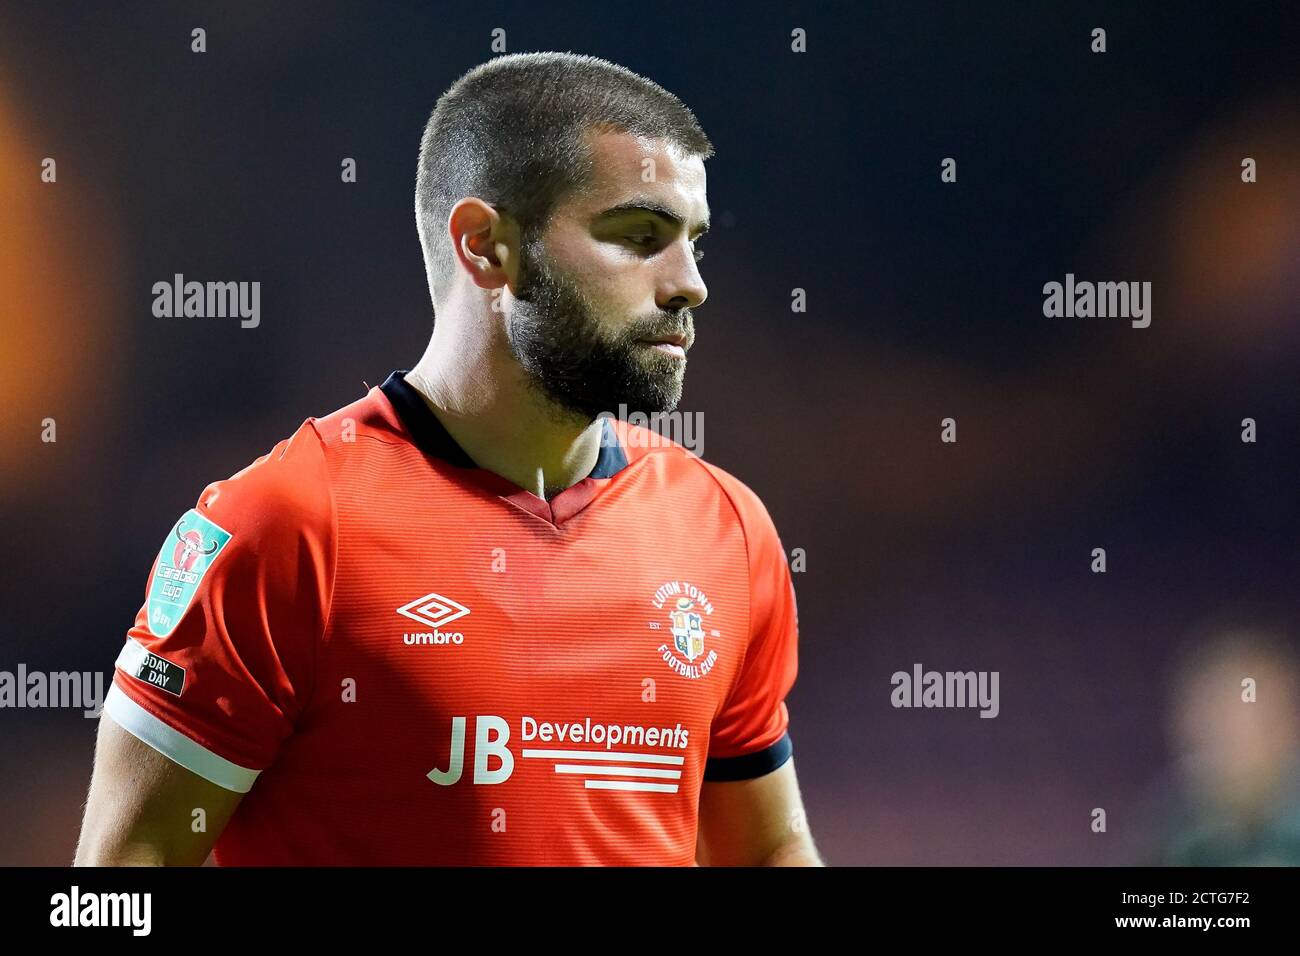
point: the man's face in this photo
(603, 313)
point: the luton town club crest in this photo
(688, 607)
(688, 634)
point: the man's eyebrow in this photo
(652, 207)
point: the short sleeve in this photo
(221, 659)
(750, 735)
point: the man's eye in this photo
(699, 254)
(641, 240)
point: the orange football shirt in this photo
(400, 658)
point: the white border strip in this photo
(629, 785)
(174, 745)
(617, 771)
(602, 755)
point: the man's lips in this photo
(673, 343)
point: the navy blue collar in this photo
(433, 439)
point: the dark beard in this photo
(556, 336)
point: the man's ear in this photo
(485, 242)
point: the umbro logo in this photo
(436, 611)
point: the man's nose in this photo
(682, 286)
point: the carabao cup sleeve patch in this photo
(190, 549)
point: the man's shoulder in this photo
(369, 418)
(275, 493)
(750, 510)
(291, 485)
(684, 468)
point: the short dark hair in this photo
(511, 132)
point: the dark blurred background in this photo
(1119, 691)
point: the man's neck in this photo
(487, 406)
